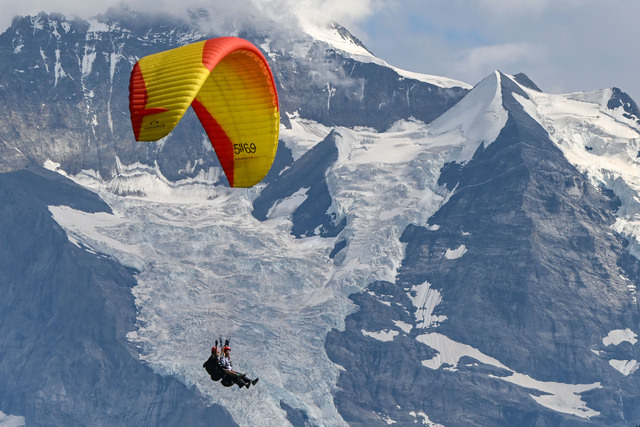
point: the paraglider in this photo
(230, 86)
(228, 83)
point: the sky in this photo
(562, 45)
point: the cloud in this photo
(523, 7)
(564, 46)
(478, 61)
(287, 13)
(348, 13)
(568, 45)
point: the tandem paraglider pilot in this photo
(219, 367)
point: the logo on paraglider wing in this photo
(154, 124)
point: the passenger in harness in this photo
(236, 377)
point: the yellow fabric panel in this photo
(236, 96)
(173, 79)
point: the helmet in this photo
(226, 347)
(214, 349)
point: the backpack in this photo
(213, 368)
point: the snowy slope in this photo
(601, 142)
(340, 38)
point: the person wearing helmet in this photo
(238, 378)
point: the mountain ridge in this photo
(498, 281)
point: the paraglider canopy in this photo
(230, 86)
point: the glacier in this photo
(207, 267)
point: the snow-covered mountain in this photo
(422, 252)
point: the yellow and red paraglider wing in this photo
(230, 86)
